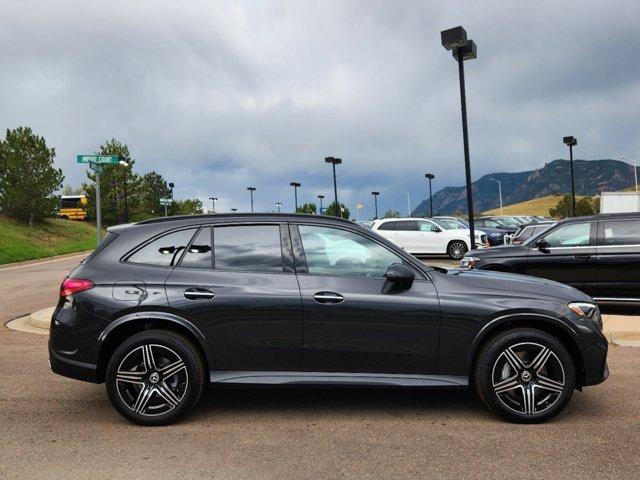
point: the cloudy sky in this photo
(217, 96)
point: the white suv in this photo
(422, 236)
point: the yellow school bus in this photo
(72, 207)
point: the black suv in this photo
(164, 307)
(598, 254)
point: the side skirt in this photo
(333, 378)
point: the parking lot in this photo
(53, 426)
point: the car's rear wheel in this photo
(154, 377)
(456, 249)
(525, 375)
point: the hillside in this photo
(592, 177)
(20, 242)
(536, 206)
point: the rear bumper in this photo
(72, 368)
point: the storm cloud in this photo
(217, 96)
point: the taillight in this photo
(71, 286)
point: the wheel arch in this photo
(545, 323)
(128, 325)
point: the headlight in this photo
(584, 309)
(468, 262)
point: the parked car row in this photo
(598, 254)
(429, 236)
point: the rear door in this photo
(618, 258)
(243, 294)
(570, 257)
(406, 235)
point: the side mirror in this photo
(543, 246)
(400, 276)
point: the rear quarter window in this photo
(164, 251)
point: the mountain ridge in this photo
(591, 178)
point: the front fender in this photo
(497, 322)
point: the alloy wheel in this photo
(528, 378)
(457, 250)
(152, 380)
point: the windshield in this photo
(448, 224)
(509, 222)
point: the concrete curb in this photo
(38, 322)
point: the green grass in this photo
(535, 206)
(20, 242)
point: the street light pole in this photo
(375, 198)
(278, 204)
(251, 190)
(455, 39)
(320, 197)
(295, 186)
(430, 177)
(571, 142)
(213, 204)
(499, 192)
(335, 161)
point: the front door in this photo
(569, 257)
(353, 321)
(244, 297)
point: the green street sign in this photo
(96, 168)
(165, 201)
(97, 159)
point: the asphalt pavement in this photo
(53, 427)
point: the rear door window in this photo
(408, 226)
(254, 248)
(199, 254)
(164, 251)
(621, 232)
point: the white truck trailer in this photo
(619, 202)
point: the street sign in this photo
(165, 201)
(96, 159)
(96, 168)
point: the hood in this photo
(500, 252)
(512, 282)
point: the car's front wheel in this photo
(154, 377)
(525, 375)
(456, 249)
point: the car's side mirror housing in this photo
(543, 245)
(400, 276)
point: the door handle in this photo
(582, 256)
(328, 297)
(198, 294)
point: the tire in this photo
(531, 386)
(157, 388)
(456, 249)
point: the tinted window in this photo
(164, 251)
(572, 235)
(199, 253)
(625, 232)
(253, 248)
(409, 226)
(387, 226)
(330, 251)
(525, 233)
